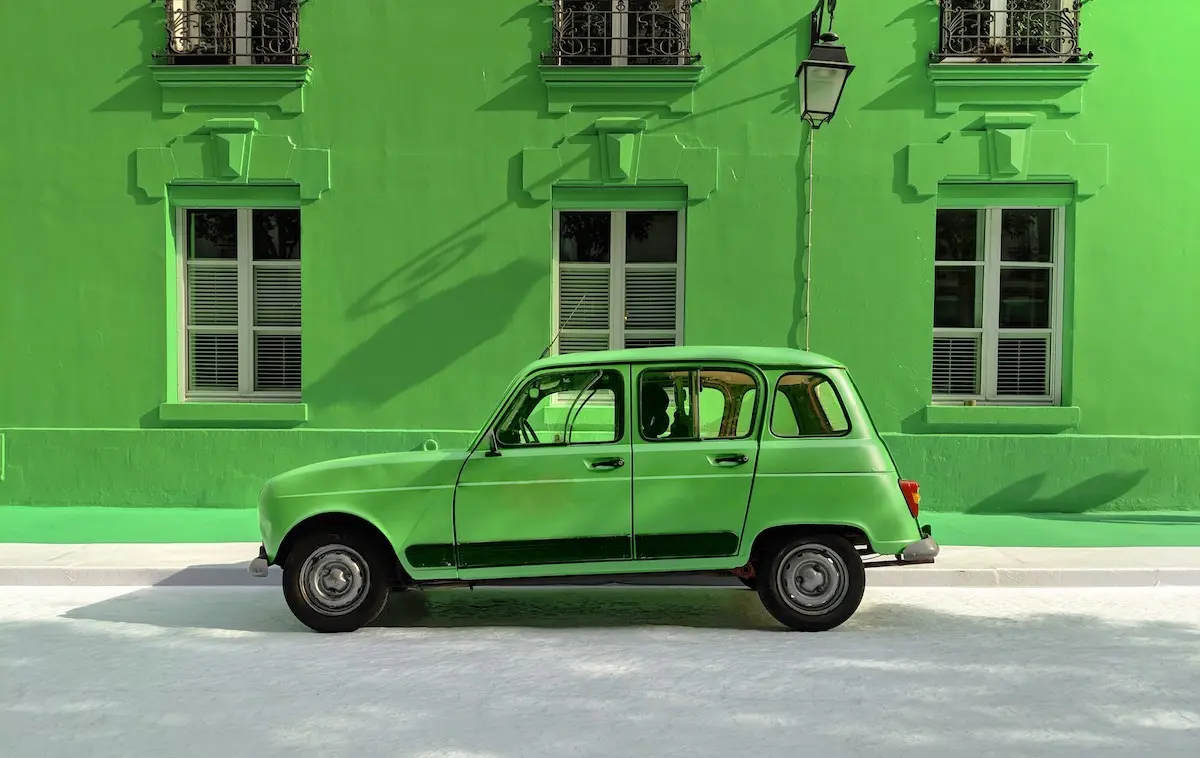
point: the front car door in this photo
(557, 489)
(694, 453)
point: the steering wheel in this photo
(527, 430)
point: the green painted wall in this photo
(427, 264)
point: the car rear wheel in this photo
(813, 582)
(336, 582)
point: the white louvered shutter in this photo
(277, 358)
(584, 303)
(1023, 366)
(651, 305)
(956, 365)
(212, 323)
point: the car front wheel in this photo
(336, 582)
(812, 583)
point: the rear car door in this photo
(695, 446)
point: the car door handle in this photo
(606, 464)
(729, 460)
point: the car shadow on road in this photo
(243, 609)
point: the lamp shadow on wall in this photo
(526, 93)
(432, 329)
(1021, 498)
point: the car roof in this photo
(758, 356)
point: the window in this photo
(242, 304)
(233, 32)
(997, 295)
(565, 408)
(672, 405)
(807, 405)
(993, 31)
(621, 33)
(619, 280)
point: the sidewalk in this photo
(224, 564)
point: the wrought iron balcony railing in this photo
(621, 33)
(232, 33)
(998, 31)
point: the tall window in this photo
(241, 304)
(233, 32)
(997, 305)
(619, 279)
(993, 31)
(621, 33)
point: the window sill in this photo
(1001, 419)
(1055, 85)
(670, 87)
(184, 87)
(283, 415)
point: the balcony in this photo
(1009, 31)
(232, 33)
(621, 33)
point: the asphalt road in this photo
(612, 672)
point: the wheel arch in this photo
(856, 535)
(341, 520)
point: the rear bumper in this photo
(922, 551)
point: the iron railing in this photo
(232, 33)
(621, 33)
(987, 31)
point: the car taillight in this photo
(912, 495)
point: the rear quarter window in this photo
(807, 405)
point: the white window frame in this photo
(999, 33)
(988, 300)
(246, 330)
(617, 313)
(619, 33)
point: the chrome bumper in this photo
(258, 566)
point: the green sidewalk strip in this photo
(91, 524)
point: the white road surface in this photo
(92, 672)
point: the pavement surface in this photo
(224, 564)
(114, 672)
(1015, 528)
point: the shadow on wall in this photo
(426, 338)
(1021, 498)
(910, 85)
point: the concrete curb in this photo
(909, 576)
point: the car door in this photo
(555, 490)
(695, 448)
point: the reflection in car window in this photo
(807, 405)
(669, 408)
(579, 406)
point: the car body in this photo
(759, 461)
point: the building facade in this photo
(242, 235)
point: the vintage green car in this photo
(760, 462)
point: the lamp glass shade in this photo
(821, 86)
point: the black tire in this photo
(748, 581)
(785, 573)
(348, 556)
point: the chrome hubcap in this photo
(334, 579)
(812, 579)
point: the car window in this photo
(574, 407)
(723, 409)
(807, 405)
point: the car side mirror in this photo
(493, 448)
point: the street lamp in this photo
(822, 78)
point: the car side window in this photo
(574, 407)
(696, 404)
(807, 405)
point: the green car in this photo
(760, 462)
